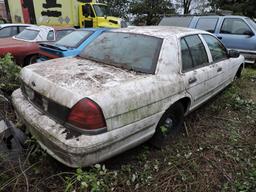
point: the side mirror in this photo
(249, 33)
(233, 54)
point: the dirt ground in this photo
(216, 152)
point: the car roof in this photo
(14, 24)
(164, 32)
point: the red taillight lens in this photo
(87, 115)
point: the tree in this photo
(238, 7)
(119, 8)
(193, 6)
(150, 11)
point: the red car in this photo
(24, 46)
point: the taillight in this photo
(87, 115)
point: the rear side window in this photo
(218, 51)
(207, 24)
(187, 62)
(50, 36)
(235, 26)
(6, 32)
(28, 34)
(196, 49)
(176, 21)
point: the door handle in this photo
(219, 69)
(192, 80)
(219, 37)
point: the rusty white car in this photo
(127, 86)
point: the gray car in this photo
(235, 32)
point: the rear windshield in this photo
(176, 21)
(74, 39)
(27, 34)
(125, 50)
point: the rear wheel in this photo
(169, 125)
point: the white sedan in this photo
(127, 86)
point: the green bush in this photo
(9, 74)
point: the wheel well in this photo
(26, 59)
(185, 102)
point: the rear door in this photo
(195, 63)
(207, 24)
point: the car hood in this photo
(68, 80)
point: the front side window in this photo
(252, 23)
(28, 34)
(125, 50)
(207, 24)
(218, 51)
(101, 10)
(6, 32)
(197, 50)
(235, 26)
(74, 39)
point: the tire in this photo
(169, 125)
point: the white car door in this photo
(219, 68)
(195, 68)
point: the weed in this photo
(9, 74)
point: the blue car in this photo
(235, 32)
(70, 45)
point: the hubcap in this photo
(168, 123)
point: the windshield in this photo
(125, 50)
(27, 34)
(101, 10)
(252, 23)
(74, 39)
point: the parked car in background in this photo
(24, 47)
(235, 32)
(70, 45)
(9, 30)
(127, 86)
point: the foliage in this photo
(239, 7)
(149, 11)
(9, 74)
(119, 8)
(87, 180)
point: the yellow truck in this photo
(75, 13)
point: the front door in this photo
(235, 33)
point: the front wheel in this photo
(169, 125)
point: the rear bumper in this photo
(83, 150)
